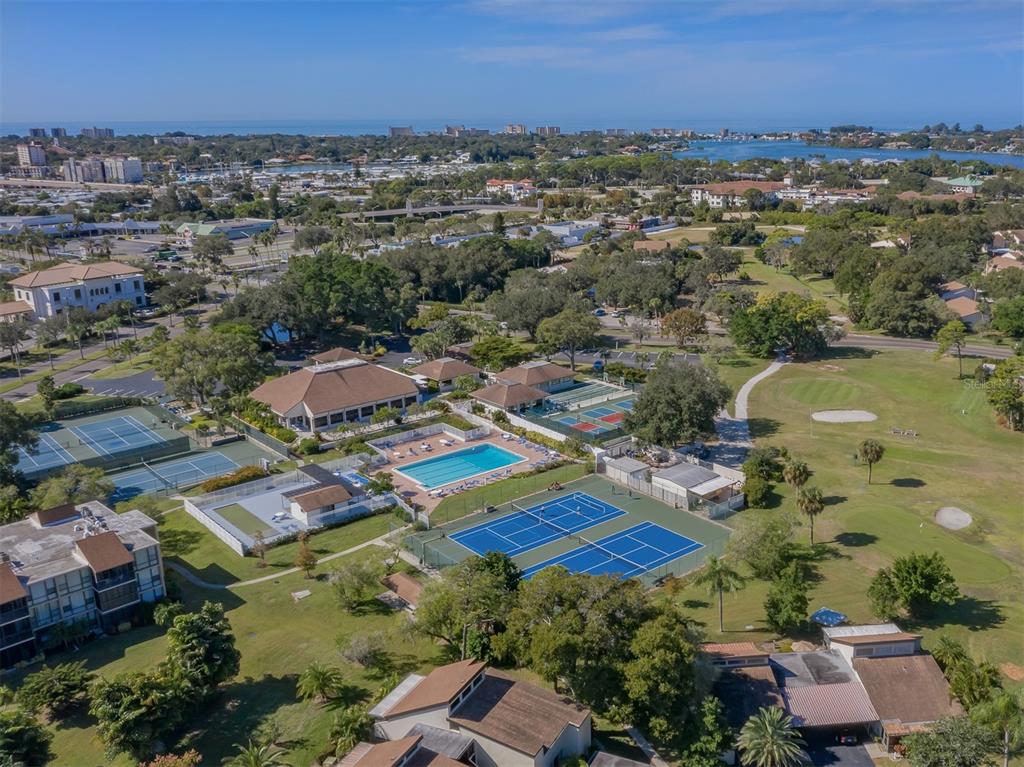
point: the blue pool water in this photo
(445, 469)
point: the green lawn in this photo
(186, 541)
(962, 458)
(277, 638)
(243, 519)
(764, 278)
(140, 363)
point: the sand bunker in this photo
(952, 518)
(844, 416)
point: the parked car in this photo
(599, 312)
(846, 739)
(412, 361)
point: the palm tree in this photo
(948, 652)
(319, 682)
(811, 503)
(870, 452)
(719, 578)
(769, 740)
(1004, 714)
(796, 474)
(349, 727)
(256, 755)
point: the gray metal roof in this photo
(627, 464)
(447, 742)
(686, 474)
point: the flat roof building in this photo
(74, 564)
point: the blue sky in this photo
(687, 63)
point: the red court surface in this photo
(584, 426)
(613, 418)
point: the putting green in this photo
(823, 391)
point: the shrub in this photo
(366, 650)
(630, 375)
(237, 477)
(257, 414)
(764, 462)
(500, 417)
(308, 446)
(757, 490)
(56, 689)
(68, 390)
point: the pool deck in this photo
(429, 499)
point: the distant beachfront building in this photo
(405, 130)
(548, 130)
(515, 129)
(32, 153)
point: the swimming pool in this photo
(462, 464)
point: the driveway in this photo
(825, 752)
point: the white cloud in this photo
(576, 12)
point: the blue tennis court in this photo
(631, 552)
(171, 474)
(527, 529)
(115, 435)
(48, 454)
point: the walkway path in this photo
(195, 580)
(734, 431)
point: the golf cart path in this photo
(734, 431)
(195, 580)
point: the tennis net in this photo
(166, 483)
(634, 568)
(540, 519)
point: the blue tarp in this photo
(826, 617)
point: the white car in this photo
(412, 361)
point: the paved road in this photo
(440, 209)
(139, 385)
(825, 752)
(734, 431)
(887, 342)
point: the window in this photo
(78, 292)
(117, 287)
(56, 295)
(136, 284)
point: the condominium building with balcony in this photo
(74, 565)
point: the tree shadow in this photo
(976, 614)
(234, 715)
(695, 604)
(848, 353)
(834, 500)
(763, 427)
(907, 482)
(347, 695)
(855, 540)
(178, 543)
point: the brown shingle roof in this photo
(10, 587)
(652, 246)
(388, 754)
(104, 551)
(445, 369)
(739, 187)
(8, 308)
(908, 688)
(858, 639)
(324, 495)
(507, 394)
(534, 373)
(335, 386)
(394, 752)
(733, 650)
(61, 513)
(745, 690)
(337, 354)
(405, 587)
(438, 687)
(68, 273)
(963, 306)
(522, 716)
